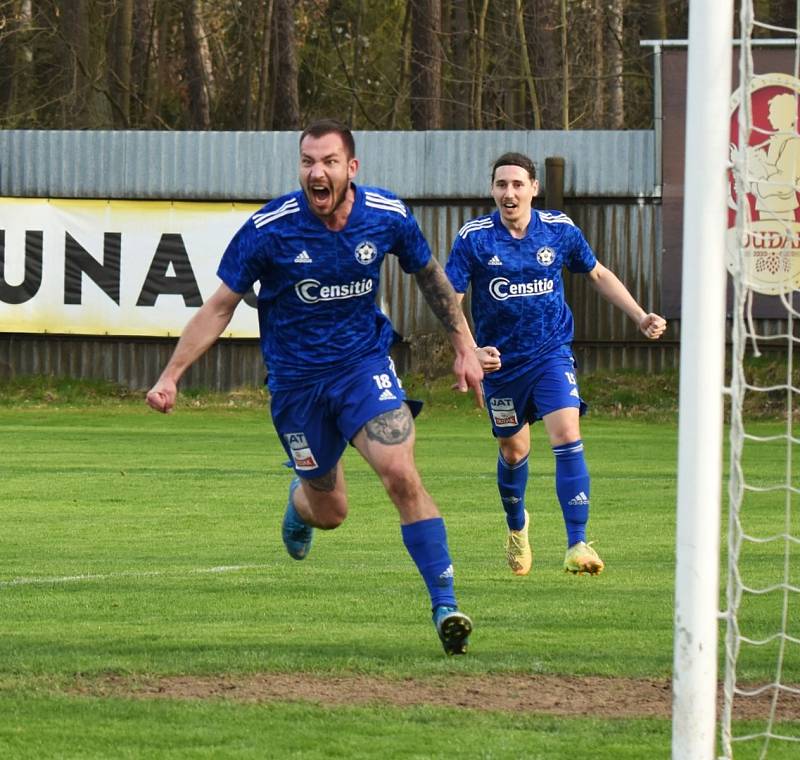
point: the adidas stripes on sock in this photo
(511, 482)
(572, 489)
(426, 542)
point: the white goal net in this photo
(762, 615)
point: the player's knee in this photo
(514, 456)
(402, 484)
(329, 510)
(330, 520)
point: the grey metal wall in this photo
(610, 190)
(260, 165)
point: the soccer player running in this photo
(514, 259)
(317, 254)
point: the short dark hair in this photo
(515, 159)
(323, 127)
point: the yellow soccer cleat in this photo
(518, 549)
(582, 558)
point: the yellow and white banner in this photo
(114, 267)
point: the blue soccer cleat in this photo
(454, 628)
(296, 534)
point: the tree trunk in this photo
(426, 64)
(143, 28)
(74, 22)
(286, 99)
(599, 65)
(543, 35)
(120, 56)
(460, 37)
(199, 110)
(527, 73)
(263, 116)
(480, 68)
(9, 39)
(616, 62)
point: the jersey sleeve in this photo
(412, 250)
(240, 265)
(457, 268)
(580, 258)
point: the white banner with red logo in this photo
(764, 228)
(138, 268)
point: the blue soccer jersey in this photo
(316, 302)
(518, 300)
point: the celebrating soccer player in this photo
(317, 254)
(514, 260)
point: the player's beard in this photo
(337, 196)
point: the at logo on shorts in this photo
(503, 412)
(301, 453)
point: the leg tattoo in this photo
(325, 483)
(391, 428)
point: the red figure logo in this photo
(765, 244)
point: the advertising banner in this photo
(135, 268)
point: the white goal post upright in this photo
(702, 367)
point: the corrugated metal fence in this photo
(610, 190)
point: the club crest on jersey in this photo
(545, 255)
(302, 455)
(503, 412)
(366, 252)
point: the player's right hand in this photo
(162, 395)
(489, 357)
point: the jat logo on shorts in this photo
(301, 454)
(500, 288)
(312, 291)
(503, 412)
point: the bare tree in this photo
(616, 59)
(460, 41)
(199, 110)
(120, 55)
(286, 99)
(426, 64)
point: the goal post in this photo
(702, 366)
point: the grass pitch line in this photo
(131, 574)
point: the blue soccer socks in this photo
(511, 482)
(572, 488)
(426, 542)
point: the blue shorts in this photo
(546, 387)
(316, 422)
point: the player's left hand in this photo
(652, 326)
(469, 374)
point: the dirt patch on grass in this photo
(549, 695)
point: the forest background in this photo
(380, 65)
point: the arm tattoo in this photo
(440, 295)
(326, 482)
(391, 428)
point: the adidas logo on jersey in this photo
(495, 262)
(574, 392)
(303, 258)
(387, 395)
(579, 500)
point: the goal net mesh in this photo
(762, 616)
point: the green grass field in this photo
(136, 546)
